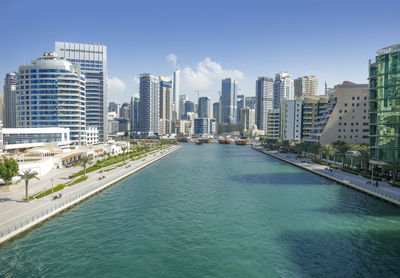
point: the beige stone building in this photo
(305, 86)
(166, 105)
(349, 119)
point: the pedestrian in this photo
(391, 182)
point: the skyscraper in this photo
(51, 93)
(305, 86)
(283, 89)
(204, 107)
(189, 106)
(251, 102)
(182, 100)
(134, 114)
(92, 59)
(113, 107)
(216, 111)
(229, 101)
(384, 104)
(176, 88)
(264, 101)
(149, 105)
(241, 103)
(166, 105)
(10, 103)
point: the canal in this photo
(214, 211)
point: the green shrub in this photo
(81, 179)
(56, 188)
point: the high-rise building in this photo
(273, 124)
(329, 92)
(124, 111)
(241, 103)
(348, 119)
(1, 108)
(189, 106)
(51, 93)
(264, 100)
(10, 102)
(113, 107)
(134, 115)
(283, 89)
(305, 86)
(216, 111)
(149, 104)
(250, 102)
(182, 100)
(176, 88)
(291, 113)
(229, 101)
(385, 104)
(204, 107)
(92, 59)
(247, 117)
(204, 126)
(166, 105)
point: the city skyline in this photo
(327, 48)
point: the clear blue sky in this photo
(246, 39)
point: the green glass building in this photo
(384, 81)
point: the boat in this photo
(224, 141)
(199, 142)
(241, 142)
(185, 140)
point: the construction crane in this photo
(198, 93)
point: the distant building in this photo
(149, 105)
(182, 100)
(204, 126)
(283, 89)
(185, 127)
(189, 106)
(250, 102)
(204, 108)
(123, 125)
(329, 92)
(247, 117)
(241, 103)
(10, 101)
(348, 120)
(305, 86)
(134, 114)
(113, 107)
(166, 106)
(291, 120)
(1, 108)
(216, 111)
(385, 105)
(176, 93)
(229, 101)
(51, 93)
(264, 100)
(124, 111)
(92, 59)
(112, 123)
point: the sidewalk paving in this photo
(383, 190)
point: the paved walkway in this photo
(14, 215)
(384, 190)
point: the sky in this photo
(332, 40)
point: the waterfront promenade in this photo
(17, 217)
(383, 191)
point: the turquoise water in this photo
(215, 211)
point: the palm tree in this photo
(85, 160)
(26, 176)
(123, 148)
(315, 148)
(328, 150)
(365, 157)
(286, 145)
(298, 148)
(341, 149)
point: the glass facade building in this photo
(51, 93)
(92, 59)
(229, 101)
(384, 82)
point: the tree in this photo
(124, 148)
(298, 148)
(365, 157)
(286, 145)
(315, 148)
(328, 150)
(341, 149)
(26, 176)
(85, 160)
(8, 169)
(394, 165)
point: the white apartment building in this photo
(291, 119)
